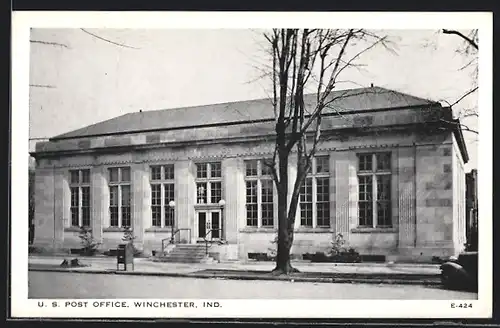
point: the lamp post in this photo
(222, 203)
(171, 204)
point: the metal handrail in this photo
(171, 239)
(220, 241)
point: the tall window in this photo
(80, 197)
(162, 192)
(259, 194)
(208, 183)
(119, 197)
(315, 195)
(374, 180)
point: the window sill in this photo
(114, 229)
(313, 230)
(258, 230)
(75, 229)
(373, 230)
(158, 229)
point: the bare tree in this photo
(304, 59)
(469, 49)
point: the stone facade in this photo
(426, 181)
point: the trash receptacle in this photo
(125, 256)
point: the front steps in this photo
(185, 253)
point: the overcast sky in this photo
(79, 79)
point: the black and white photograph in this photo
(227, 166)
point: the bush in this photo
(89, 245)
(128, 237)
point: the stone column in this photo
(185, 197)
(99, 205)
(342, 192)
(406, 186)
(234, 186)
(333, 191)
(140, 205)
(292, 175)
(59, 206)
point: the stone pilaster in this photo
(233, 193)
(59, 205)
(342, 192)
(185, 194)
(140, 204)
(100, 203)
(292, 175)
(406, 186)
(333, 190)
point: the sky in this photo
(77, 79)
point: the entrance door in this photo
(209, 224)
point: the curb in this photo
(430, 280)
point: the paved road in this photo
(81, 285)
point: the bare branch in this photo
(107, 40)
(42, 86)
(467, 39)
(50, 43)
(464, 96)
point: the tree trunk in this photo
(285, 230)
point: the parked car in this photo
(461, 273)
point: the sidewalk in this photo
(314, 272)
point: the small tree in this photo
(88, 242)
(129, 237)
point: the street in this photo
(82, 285)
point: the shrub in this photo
(128, 237)
(89, 244)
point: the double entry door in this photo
(209, 224)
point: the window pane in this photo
(365, 162)
(74, 177)
(75, 222)
(113, 215)
(323, 189)
(306, 191)
(155, 172)
(74, 197)
(125, 195)
(169, 193)
(252, 215)
(384, 214)
(366, 214)
(267, 191)
(267, 215)
(201, 192)
(86, 196)
(113, 196)
(155, 194)
(113, 174)
(156, 214)
(169, 171)
(323, 213)
(169, 216)
(126, 222)
(251, 190)
(306, 214)
(85, 176)
(383, 187)
(251, 168)
(266, 168)
(86, 216)
(365, 188)
(125, 174)
(201, 170)
(215, 170)
(322, 164)
(215, 192)
(383, 161)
